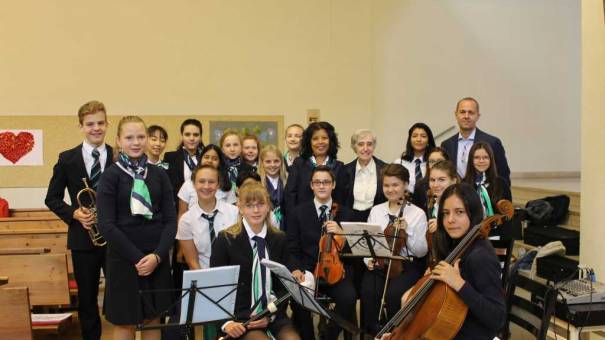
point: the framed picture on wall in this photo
(266, 131)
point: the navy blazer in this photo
(298, 186)
(346, 183)
(451, 146)
(304, 232)
(175, 160)
(228, 250)
(68, 173)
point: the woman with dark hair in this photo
(420, 141)
(319, 146)
(476, 275)
(157, 137)
(419, 197)
(211, 155)
(481, 173)
(187, 155)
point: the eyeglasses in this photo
(319, 183)
(258, 206)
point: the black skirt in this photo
(127, 300)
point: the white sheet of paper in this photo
(204, 309)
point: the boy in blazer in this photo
(87, 160)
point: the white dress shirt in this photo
(416, 230)
(192, 226)
(464, 148)
(411, 166)
(89, 160)
(364, 187)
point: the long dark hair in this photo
(305, 144)
(491, 174)
(442, 242)
(196, 123)
(408, 154)
(225, 185)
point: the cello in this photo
(434, 310)
(329, 268)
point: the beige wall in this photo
(520, 59)
(593, 125)
(379, 64)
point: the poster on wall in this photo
(265, 131)
(21, 147)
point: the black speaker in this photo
(556, 268)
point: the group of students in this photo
(237, 202)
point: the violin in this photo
(396, 236)
(434, 310)
(329, 267)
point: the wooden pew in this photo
(46, 277)
(35, 232)
(44, 274)
(31, 212)
(15, 318)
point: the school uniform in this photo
(88, 260)
(130, 237)
(481, 292)
(420, 195)
(304, 232)
(489, 196)
(417, 169)
(361, 188)
(179, 169)
(236, 166)
(298, 186)
(240, 250)
(195, 225)
(275, 188)
(415, 249)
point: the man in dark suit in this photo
(87, 160)
(458, 146)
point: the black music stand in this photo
(188, 298)
(304, 296)
(367, 241)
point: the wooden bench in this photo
(45, 275)
(35, 232)
(15, 318)
(31, 212)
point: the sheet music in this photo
(206, 310)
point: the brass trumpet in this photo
(93, 232)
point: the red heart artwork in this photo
(14, 147)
